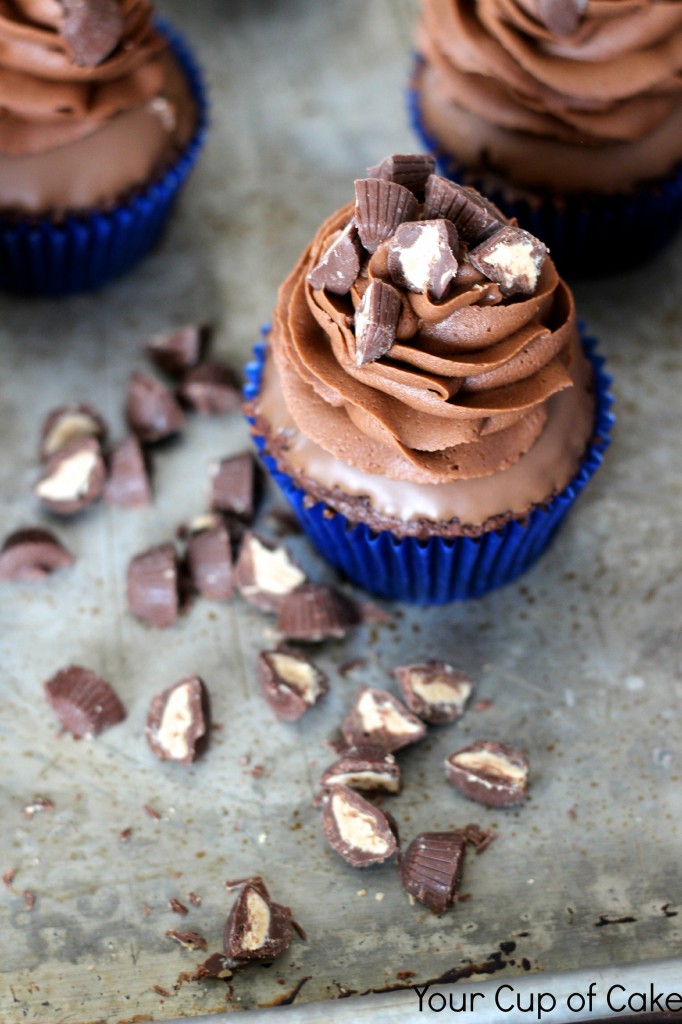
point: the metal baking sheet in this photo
(581, 660)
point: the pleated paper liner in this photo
(437, 570)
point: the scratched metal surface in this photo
(581, 660)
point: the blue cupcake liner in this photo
(436, 570)
(40, 257)
(588, 234)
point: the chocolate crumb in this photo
(151, 812)
(8, 877)
(194, 899)
(29, 899)
(125, 835)
(188, 939)
(177, 907)
(217, 965)
(38, 805)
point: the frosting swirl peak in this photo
(575, 94)
(431, 358)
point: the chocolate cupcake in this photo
(100, 127)
(568, 114)
(423, 397)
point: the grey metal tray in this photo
(581, 660)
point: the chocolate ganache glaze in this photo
(92, 103)
(574, 95)
(424, 369)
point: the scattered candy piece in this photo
(84, 703)
(493, 774)
(178, 721)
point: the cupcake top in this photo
(589, 75)
(70, 69)
(422, 334)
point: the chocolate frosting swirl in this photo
(48, 98)
(600, 80)
(461, 394)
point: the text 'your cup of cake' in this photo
(423, 397)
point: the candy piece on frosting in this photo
(92, 28)
(511, 257)
(408, 169)
(340, 265)
(422, 256)
(473, 216)
(380, 206)
(376, 321)
(561, 17)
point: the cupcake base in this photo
(40, 257)
(587, 234)
(436, 570)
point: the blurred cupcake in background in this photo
(101, 119)
(424, 398)
(567, 112)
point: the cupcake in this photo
(103, 114)
(567, 112)
(423, 397)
